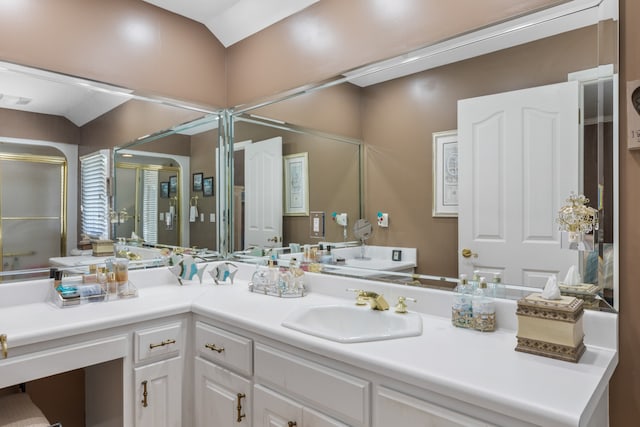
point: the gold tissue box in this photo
(551, 328)
(102, 247)
(585, 291)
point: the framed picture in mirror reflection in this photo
(296, 184)
(445, 174)
(173, 185)
(207, 186)
(164, 190)
(197, 182)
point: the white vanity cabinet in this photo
(223, 368)
(395, 408)
(292, 389)
(158, 375)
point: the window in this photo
(150, 206)
(94, 198)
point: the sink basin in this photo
(350, 323)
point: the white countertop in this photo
(479, 368)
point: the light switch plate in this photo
(316, 225)
(212, 217)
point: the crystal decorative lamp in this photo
(577, 221)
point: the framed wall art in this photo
(207, 186)
(164, 190)
(296, 184)
(445, 174)
(197, 182)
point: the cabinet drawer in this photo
(331, 391)
(164, 341)
(226, 348)
(395, 408)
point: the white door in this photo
(519, 161)
(263, 193)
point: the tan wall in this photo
(170, 56)
(625, 387)
(203, 159)
(334, 110)
(132, 120)
(333, 179)
(333, 36)
(400, 116)
(45, 127)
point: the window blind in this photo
(150, 206)
(94, 199)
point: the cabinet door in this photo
(271, 409)
(159, 394)
(393, 408)
(312, 418)
(223, 398)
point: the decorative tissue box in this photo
(585, 291)
(102, 247)
(551, 328)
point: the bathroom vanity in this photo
(206, 354)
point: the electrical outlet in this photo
(383, 219)
(341, 219)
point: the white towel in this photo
(193, 213)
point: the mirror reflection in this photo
(399, 115)
(382, 121)
(51, 125)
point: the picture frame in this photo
(173, 185)
(164, 190)
(196, 182)
(207, 187)
(296, 184)
(445, 174)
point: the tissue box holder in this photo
(585, 291)
(551, 328)
(102, 247)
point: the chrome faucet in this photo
(376, 301)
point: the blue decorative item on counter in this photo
(223, 271)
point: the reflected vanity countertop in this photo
(479, 368)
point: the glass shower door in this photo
(32, 201)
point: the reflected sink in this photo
(350, 323)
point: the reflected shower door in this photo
(32, 200)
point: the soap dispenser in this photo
(483, 308)
(461, 311)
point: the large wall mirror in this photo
(408, 105)
(50, 126)
(361, 144)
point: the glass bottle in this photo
(296, 283)
(499, 290)
(475, 280)
(461, 311)
(483, 308)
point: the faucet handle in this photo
(361, 299)
(401, 306)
